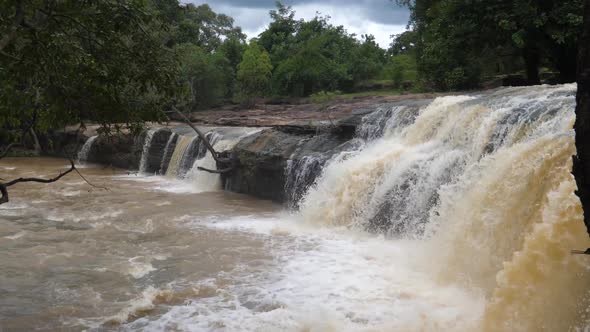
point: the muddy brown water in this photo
(75, 257)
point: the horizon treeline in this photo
(130, 61)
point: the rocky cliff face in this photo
(278, 163)
(260, 164)
(282, 162)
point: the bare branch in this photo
(61, 175)
(221, 171)
(203, 138)
(88, 182)
(4, 186)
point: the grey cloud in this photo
(380, 18)
(379, 11)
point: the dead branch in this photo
(203, 138)
(88, 182)
(221, 171)
(4, 186)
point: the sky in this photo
(381, 18)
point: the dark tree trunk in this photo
(564, 60)
(581, 168)
(532, 60)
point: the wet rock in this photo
(168, 152)
(280, 165)
(260, 162)
(123, 151)
(156, 150)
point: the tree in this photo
(278, 38)
(200, 76)
(454, 37)
(65, 62)
(581, 169)
(232, 50)
(255, 71)
(201, 26)
(404, 43)
(367, 59)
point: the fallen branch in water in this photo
(4, 186)
(88, 182)
(219, 160)
(214, 153)
(221, 171)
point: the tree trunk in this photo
(532, 60)
(35, 141)
(581, 168)
(564, 59)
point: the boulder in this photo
(259, 164)
(155, 151)
(123, 151)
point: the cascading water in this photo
(167, 155)
(145, 153)
(180, 150)
(85, 150)
(483, 183)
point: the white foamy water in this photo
(323, 280)
(85, 150)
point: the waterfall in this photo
(182, 145)
(85, 150)
(203, 180)
(167, 155)
(300, 174)
(386, 120)
(483, 183)
(145, 152)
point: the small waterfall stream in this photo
(85, 150)
(145, 153)
(168, 151)
(176, 161)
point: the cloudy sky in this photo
(380, 18)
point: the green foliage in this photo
(68, 61)
(455, 41)
(254, 71)
(400, 69)
(367, 60)
(201, 26)
(324, 96)
(312, 56)
(200, 76)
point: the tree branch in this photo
(221, 171)
(203, 137)
(61, 175)
(4, 186)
